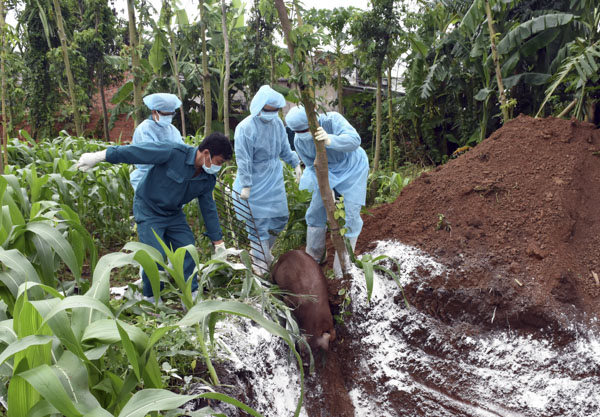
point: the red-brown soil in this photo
(516, 222)
(517, 218)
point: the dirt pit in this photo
(499, 258)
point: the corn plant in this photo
(370, 264)
(56, 348)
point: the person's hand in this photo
(220, 247)
(245, 194)
(298, 173)
(321, 135)
(89, 159)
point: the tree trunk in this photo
(103, 98)
(340, 90)
(101, 88)
(135, 64)
(307, 93)
(503, 103)
(179, 93)
(4, 140)
(377, 122)
(205, 75)
(70, 80)
(227, 69)
(390, 118)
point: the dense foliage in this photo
(66, 236)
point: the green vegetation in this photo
(66, 237)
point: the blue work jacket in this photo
(170, 183)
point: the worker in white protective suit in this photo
(157, 129)
(260, 142)
(348, 167)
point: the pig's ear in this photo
(323, 341)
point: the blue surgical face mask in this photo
(267, 116)
(213, 169)
(164, 120)
(304, 136)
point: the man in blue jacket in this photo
(348, 168)
(179, 173)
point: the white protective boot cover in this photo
(261, 258)
(337, 267)
(315, 242)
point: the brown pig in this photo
(297, 273)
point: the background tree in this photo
(374, 32)
(136, 69)
(97, 39)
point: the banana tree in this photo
(579, 62)
(166, 45)
(375, 32)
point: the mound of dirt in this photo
(517, 221)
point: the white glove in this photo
(220, 247)
(298, 173)
(245, 194)
(89, 159)
(320, 134)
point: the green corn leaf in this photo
(98, 412)
(100, 289)
(129, 351)
(226, 399)
(22, 344)
(12, 279)
(7, 334)
(60, 325)
(15, 260)
(80, 301)
(60, 245)
(148, 400)
(42, 409)
(152, 372)
(45, 258)
(17, 191)
(21, 396)
(199, 312)
(367, 267)
(156, 336)
(73, 374)
(45, 381)
(151, 269)
(106, 331)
